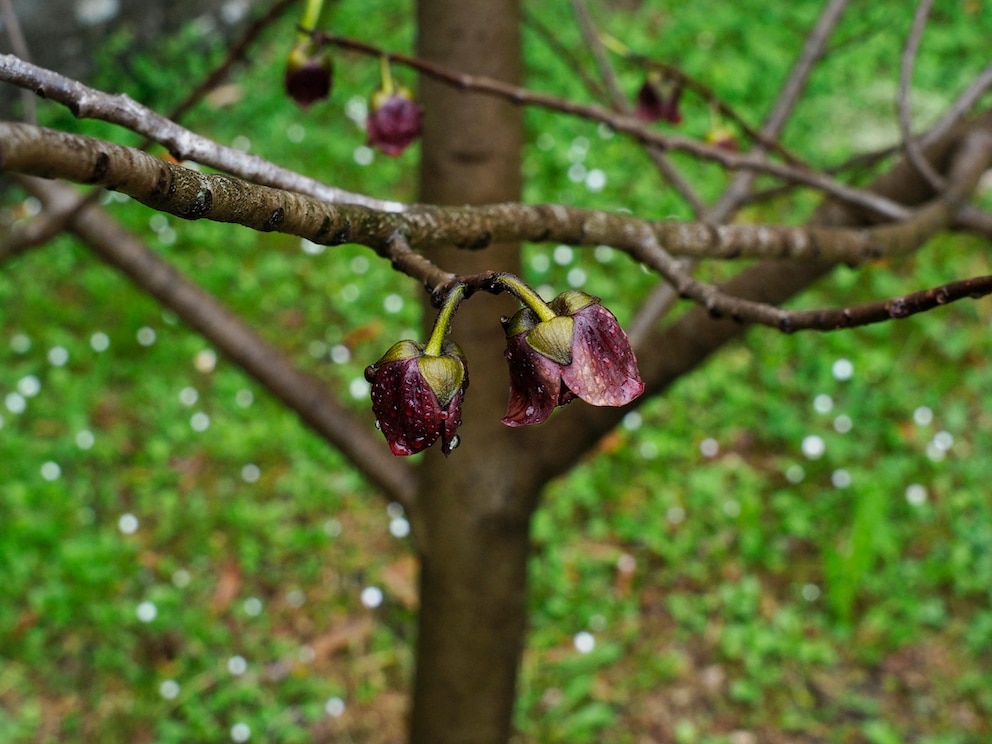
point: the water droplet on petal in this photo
(378, 424)
(455, 441)
(529, 411)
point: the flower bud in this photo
(417, 397)
(308, 75)
(658, 100)
(394, 121)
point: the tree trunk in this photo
(473, 508)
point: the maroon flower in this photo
(308, 76)
(417, 397)
(658, 100)
(580, 353)
(393, 122)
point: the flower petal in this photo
(393, 123)
(535, 384)
(603, 371)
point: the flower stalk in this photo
(526, 294)
(443, 322)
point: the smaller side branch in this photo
(895, 308)
(972, 158)
(237, 52)
(721, 305)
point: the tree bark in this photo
(473, 509)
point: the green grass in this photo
(702, 576)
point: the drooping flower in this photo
(723, 137)
(394, 121)
(417, 397)
(658, 100)
(581, 352)
(309, 74)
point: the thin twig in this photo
(961, 106)
(784, 105)
(235, 53)
(663, 297)
(20, 46)
(914, 153)
(629, 126)
(619, 103)
(549, 37)
(592, 39)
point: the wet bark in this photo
(474, 507)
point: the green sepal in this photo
(445, 374)
(405, 349)
(553, 339)
(523, 320)
(571, 301)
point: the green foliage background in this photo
(700, 579)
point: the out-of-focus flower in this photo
(417, 397)
(581, 352)
(394, 121)
(723, 137)
(309, 74)
(658, 100)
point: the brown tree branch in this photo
(303, 393)
(720, 305)
(86, 102)
(974, 156)
(190, 194)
